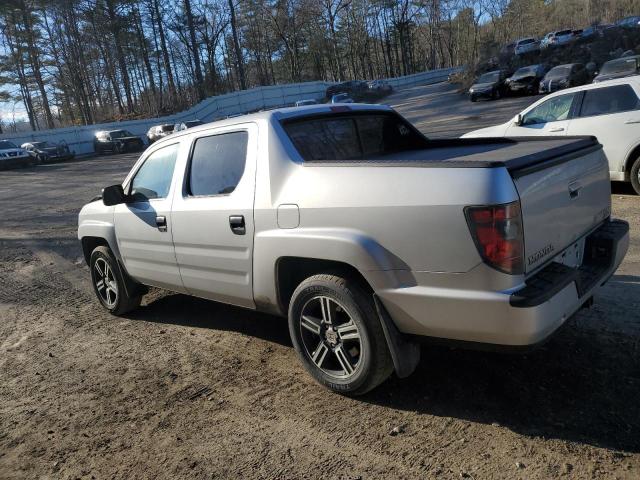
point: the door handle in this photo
(633, 121)
(574, 190)
(557, 129)
(236, 222)
(161, 223)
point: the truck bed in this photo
(520, 155)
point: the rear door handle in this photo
(557, 129)
(574, 190)
(236, 222)
(633, 121)
(161, 222)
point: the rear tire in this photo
(337, 334)
(635, 176)
(109, 284)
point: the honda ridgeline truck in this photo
(364, 233)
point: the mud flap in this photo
(404, 352)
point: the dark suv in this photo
(117, 141)
(356, 89)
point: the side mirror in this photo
(113, 195)
(519, 120)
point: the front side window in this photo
(217, 163)
(603, 101)
(553, 110)
(153, 178)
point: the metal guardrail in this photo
(80, 139)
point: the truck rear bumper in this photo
(515, 318)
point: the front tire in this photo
(108, 283)
(635, 176)
(337, 334)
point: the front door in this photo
(213, 216)
(549, 118)
(143, 226)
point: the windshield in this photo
(526, 71)
(167, 128)
(120, 134)
(4, 144)
(559, 72)
(193, 123)
(526, 41)
(564, 32)
(490, 77)
(619, 66)
(342, 96)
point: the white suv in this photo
(608, 110)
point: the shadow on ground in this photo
(581, 386)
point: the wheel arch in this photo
(633, 155)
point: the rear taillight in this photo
(497, 233)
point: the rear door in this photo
(548, 118)
(213, 215)
(612, 115)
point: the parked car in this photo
(10, 152)
(561, 37)
(608, 111)
(48, 151)
(342, 98)
(595, 31)
(178, 127)
(309, 101)
(619, 68)
(380, 87)
(527, 45)
(359, 270)
(157, 132)
(489, 85)
(629, 22)
(544, 43)
(526, 79)
(507, 50)
(355, 89)
(117, 141)
(564, 76)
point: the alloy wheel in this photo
(105, 282)
(330, 337)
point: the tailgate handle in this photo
(574, 189)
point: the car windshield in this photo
(167, 128)
(564, 32)
(4, 144)
(342, 96)
(621, 65)
(526, 41)
(559, 72)
(490, 77)
(120, 134)
(193, 123)
(526, 71)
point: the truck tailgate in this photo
(561, 199)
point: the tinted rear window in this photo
(353, 137)
(217, 163)
(602, 101)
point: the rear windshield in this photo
(369, 136)
(618, 66)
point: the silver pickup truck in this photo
(366, 234)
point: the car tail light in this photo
(498, 235)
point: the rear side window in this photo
(217, 163)
(603, 101)
(353, 137)
(153, 178)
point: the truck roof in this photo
(281, 114)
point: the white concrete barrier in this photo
(80, 139)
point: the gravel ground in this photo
(186, 388)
